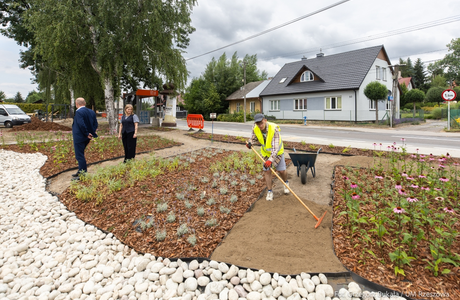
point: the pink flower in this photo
(431, 158)
(414, 186)
(399, 210)
(354, 196)
(410, 199)
(345, 177)
(439, 199)
(422, 176)
(398, 186)
(455, 164)
(402, 192)
(378, 177)
(421, 160)
(413, 156)
(444, 179)
(425, 188)
(449, 210)
(410, 178)
(403, 139)
(422, 156)
(353, 185)
(442, 159)
(404, 174)
(437, 189)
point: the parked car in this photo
(11, 115)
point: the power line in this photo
(374, 37)
(272, 29)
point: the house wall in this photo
(232, 105)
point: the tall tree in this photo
(225, 76)
(144, 36)
(2, 96)
(408, 69)
(419, 73)
(376, 92)
(434, 94)
(18, 98)
(452, 61)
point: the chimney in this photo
(320, 54)
(304, 58)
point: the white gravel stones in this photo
(46, 252)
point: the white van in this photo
(11, 115)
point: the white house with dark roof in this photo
(331, 87)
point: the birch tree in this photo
(144, 38)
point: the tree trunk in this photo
(110, 106)
(72, 103)
(376, 112)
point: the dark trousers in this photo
(129, 144)
(80, 155)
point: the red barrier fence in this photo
(195, 121)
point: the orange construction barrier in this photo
(195, 121)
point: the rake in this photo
(319, 220)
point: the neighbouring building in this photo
(331, 87)
(253, 101)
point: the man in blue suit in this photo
(83, 130)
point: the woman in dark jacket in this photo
(128, 132)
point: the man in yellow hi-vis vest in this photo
(268, 135)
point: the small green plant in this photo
(200, 211)
(214, 184)
(216, 174)
(259, 176)
(204, 179)
(171, 218)
(180, 196)
(202, 195)
(188, 204)
(211, 222)
(243, 189)
(182, 229)
(312, 147)
(252, 181)
(192, 240)
(347, 149)
(233, 198)
(211, 201)
(161, 207)
(303, 143)
(191, 187)
(331, 145)
(223, 190)
(160, 235)
(225, 210)
(234, 182)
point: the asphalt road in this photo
(427, 138)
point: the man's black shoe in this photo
(76, 174)
(75, 179)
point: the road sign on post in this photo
(448, 95)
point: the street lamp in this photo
(244, 89)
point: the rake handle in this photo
(273, 171)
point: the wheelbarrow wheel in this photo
(303, 174)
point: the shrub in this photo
(182, 229)
(192, 240)
(171, 217)
(211, 201)
(160, 235)
(211, 222)
(225, 210)
(161, 207)
(200, 211)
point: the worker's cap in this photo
(259, 117)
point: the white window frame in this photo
(377, 72)
(274, 105)
(372, 105)
(388, 105)
(238, 106)
(307, 76)
(300, 104)
(336, 100)
(252, 106)
(384, 74)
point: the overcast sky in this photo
(348, 26)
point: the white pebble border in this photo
(46, 252)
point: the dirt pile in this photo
(37, 125)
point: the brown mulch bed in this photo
(121, 212)
(38, 125)
(63, 158)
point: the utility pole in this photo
(244, 89)
(395, 87)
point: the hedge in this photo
(30, 108)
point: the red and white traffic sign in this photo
(449, 95)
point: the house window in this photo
(384, 74)
(377, 72)
(283, 79)
(274, 105)
(372, 105)
(300, 104)
(306, 76)
(252, 106)
(334, 103)
(238, 107)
